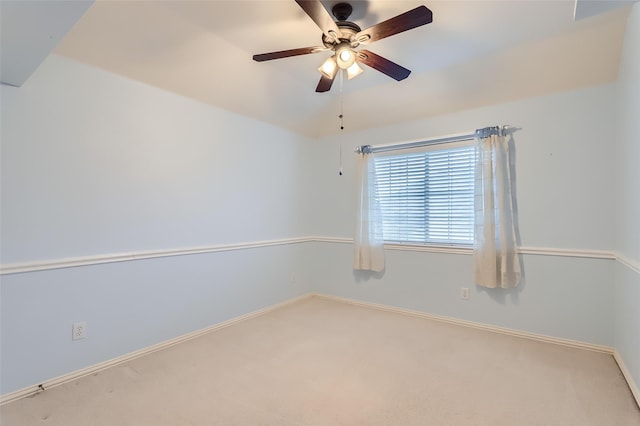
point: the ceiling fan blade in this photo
(417, 17)
(286, 53)
(383, 65)
(320, 16)
(325, 83)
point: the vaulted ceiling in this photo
(474, 53)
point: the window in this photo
(428, 197)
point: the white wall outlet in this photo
(79, 330)
(464, 293)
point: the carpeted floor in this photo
(323, 362)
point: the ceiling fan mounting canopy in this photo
(341, 34)
(342, 11)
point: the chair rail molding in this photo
(72, 262)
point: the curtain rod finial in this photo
(363, 149)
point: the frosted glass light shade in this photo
(353, 71)
(329, 68)
(345, 57)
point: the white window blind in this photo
(428, 197)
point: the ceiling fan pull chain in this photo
(341, 116)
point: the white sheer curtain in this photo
(495, 256)
(369, 242)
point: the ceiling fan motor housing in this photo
(349, 29)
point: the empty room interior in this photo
(320, 212)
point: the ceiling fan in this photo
(343, 36)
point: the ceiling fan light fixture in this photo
(353, 71)
(345, 57)
(329, 68)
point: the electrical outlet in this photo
(464, 293)
(79, 330)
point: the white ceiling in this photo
(474, 53)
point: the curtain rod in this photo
(481, 133)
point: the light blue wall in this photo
(627, 319)
(563, 297)
(132, 305)
(564, 173)
(627, 306)
(94, 164)
(564, 178)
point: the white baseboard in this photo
(633, 386)
(477, 325)
(635, 390)
(31, 390)
(74, 375)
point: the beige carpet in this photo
(322, 362)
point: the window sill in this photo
(430, 248)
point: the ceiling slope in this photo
(474, 53)
(30, 30)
